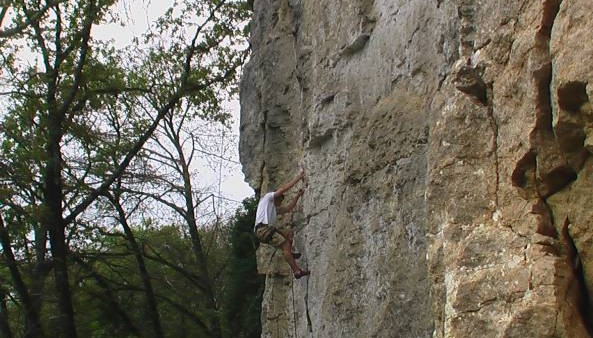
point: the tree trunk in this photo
(4, 326)
(53, 221)
(110, 297)
(214, 318)
(41, 268)
(33, 327)
(67, 328)
(151, 302)
(211, 305)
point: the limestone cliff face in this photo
(447, 146)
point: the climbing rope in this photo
(294, 316)
(309, 324)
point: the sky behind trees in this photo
(112, 141)
(136, 17)
(140, 16)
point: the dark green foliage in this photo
(77, 119)
(242, 301)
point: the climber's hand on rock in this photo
(302, 171)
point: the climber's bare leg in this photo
(287, 251)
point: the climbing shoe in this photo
(301, 273)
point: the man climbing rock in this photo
(267, 209)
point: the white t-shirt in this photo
(266, 210)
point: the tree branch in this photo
(191, 315)
(86, 35)
(183, 89)
(2, 15)
(189, 276)
(159, 199)
(33, 17)
(110, 296)
(30, 312)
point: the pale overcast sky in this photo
(141, 14)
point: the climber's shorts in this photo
(269, 235)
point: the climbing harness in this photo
(265, 234)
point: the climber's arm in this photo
(283, 188)
(292, 204)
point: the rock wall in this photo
(447, 146)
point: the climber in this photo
(268, 207)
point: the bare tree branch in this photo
(109, 295)
(183, 90)
(86, 35)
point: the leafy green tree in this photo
(70, 102)
(244, 290)
(174, 277)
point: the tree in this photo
(175, 148)
(244, 291)
(56, 140)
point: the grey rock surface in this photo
(446, 145)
